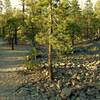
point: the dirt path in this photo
(10, 62)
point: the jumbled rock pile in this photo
(70, 83)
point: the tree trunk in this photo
(23, 8)
(50, 61)
(12, 43)
(87, 31)
(3, 31)
(15, 37)
(50, 46)
(73, 39)
(9, 38)
(98, 33)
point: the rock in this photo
(59, 84)
(98, 96)
(51, 94)
(46, 85)
(78, 65)
(65, 92)
(69, 64)
(28, 58)
(78, 77)
(24, 91)
(39, 97)
(56, 65)
(93, 68)
(97, 85)
(44, 96)
(58, 97)
(91, 91)
(98, 63)
(78, 98)
(82, 96)
(52, 97)
(78, 86)
(97, 55)
(74, 76)
(62, 64)
(52, 85)
(73, 82)
(45, 72)
(46, 64)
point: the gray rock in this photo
(91, 92)
(23, 91)
(82, 96)
(78, 98)
(58, 97)
(44, 96)
(98, 96)
(66, 92)
(52, 97)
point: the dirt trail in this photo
(10, 62)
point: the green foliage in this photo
(97, 9)
(33, 51)
(30, 65)
(1, 7)
(63, 26)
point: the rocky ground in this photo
(76, 77)
(71, 82)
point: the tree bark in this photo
(98, 33)
(87, 31)
(12, 43)
(50, 62)
(3, 31)
(15, 37)
(23, 8)
(50, 46)
(72, 39)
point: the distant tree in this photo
(1, 9)
(31, 22)
(7, 14)
(1, 6)
(7, 6)
(10, 27)
(87, 17)
(74, 23)
(97, 15)
(23, 8)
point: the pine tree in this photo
(97, 13)
(75, 13)
(1, 9)
(88, 14)
(7, 6)
(97, 8)
(1, 6)
(23, 9)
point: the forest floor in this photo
(11, 62)
(76, 77)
